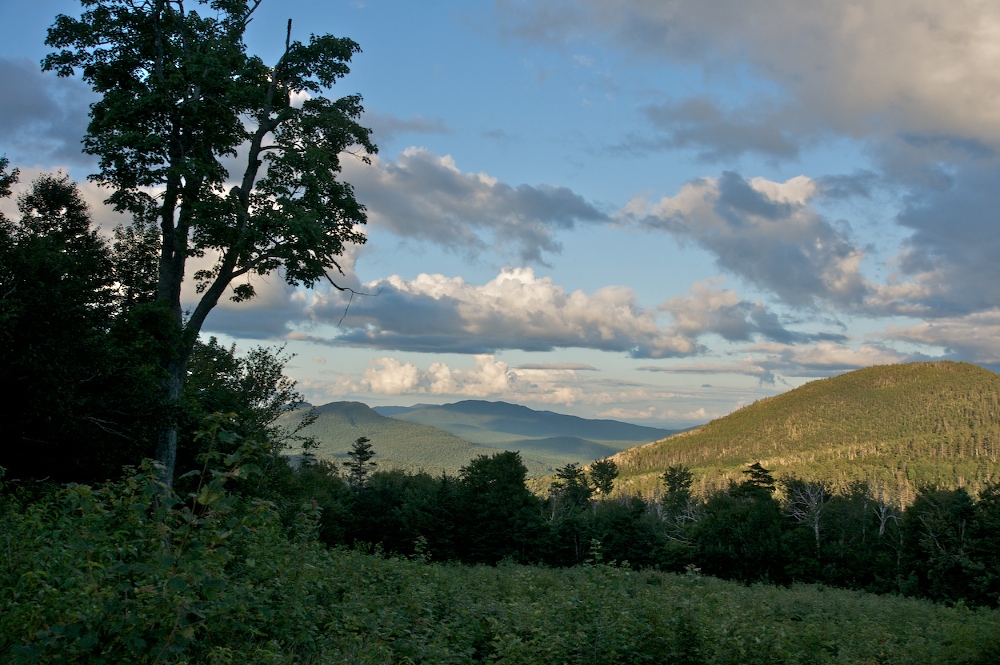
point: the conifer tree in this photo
(360, 464)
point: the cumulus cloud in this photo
(765, 232)
(389, 376)
(974, 337)
(864, 67)
(425, 196)
(708, 309)
(276, 307)
(516, 310)
(952, 253)
(519, 310)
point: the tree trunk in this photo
(166, 445)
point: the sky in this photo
(650, 211)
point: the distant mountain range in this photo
(444, 438)
(901, 426)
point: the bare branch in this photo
(351, 299)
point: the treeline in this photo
(945, 546)
(83, 343)
(131, 572)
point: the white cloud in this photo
(516, 309)
(765, 232)
(389, 376)
(974, 337)
(831, 357)
(425, 196)
(519, 310)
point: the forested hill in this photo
(521, 421)
(553, 438)
(900, 425)
(397, 444)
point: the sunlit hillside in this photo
(901, 426)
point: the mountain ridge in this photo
(554, 438)
(397, 444)
(900, 426)
(444, 438)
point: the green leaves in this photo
(179, 95)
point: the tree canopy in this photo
(179, 95)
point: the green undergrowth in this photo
(125, 573)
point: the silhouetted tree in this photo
(499, 517)
(178, 95)
(602, 475)
(78, 397)
(359, 466)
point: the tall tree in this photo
(602, 476)
(179, 93)
(77, 393)
(499, 516)
(571, 486)
(360, 464)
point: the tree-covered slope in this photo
(899, 425)
(398, 444)
(553, 438)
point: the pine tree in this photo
(360, 465)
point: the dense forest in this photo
(149, 513)
(901, 426)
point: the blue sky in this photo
(650, 211)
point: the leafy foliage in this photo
(80, 408)
(178, 95)
(129, 572)
(602, 476)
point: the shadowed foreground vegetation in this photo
(130, 573)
